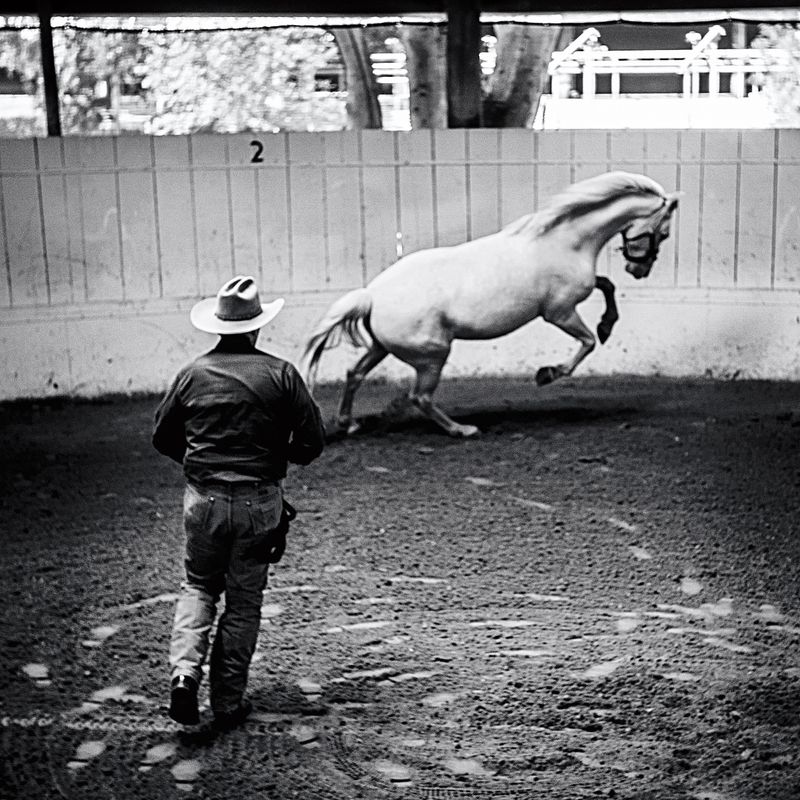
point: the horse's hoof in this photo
(546, 375)
(466, 432)
(604, 331)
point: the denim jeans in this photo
(221, 524)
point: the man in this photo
(233, 417)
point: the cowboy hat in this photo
(235, 309)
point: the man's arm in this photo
(308, 432)
(169, 437)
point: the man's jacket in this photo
(237, 413)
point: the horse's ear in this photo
(672, 200)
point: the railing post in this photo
(588, 77)
(739, 42)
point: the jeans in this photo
(222, 522)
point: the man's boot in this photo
(183, 700)
(227, 721)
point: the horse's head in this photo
(642, 238)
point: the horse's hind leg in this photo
(572, 324)
(610, 315)
(355, 376)
(428, 374)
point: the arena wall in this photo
(108, 241)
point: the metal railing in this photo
(585, 56)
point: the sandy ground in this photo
(600, 597)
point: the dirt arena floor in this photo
(598, 598)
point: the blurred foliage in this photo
(244, 81)
(213, 81)
(780, 45)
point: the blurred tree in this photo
(363, 108)
(250, 80)
(519, 79)
(780, 45)
(425, 47)
(510, 95)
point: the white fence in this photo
(107, 242)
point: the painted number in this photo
(259, 149)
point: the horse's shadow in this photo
(526, 419)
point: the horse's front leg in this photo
(572, 324)
(611, 314)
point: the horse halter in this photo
(653, 243)
(652, 247)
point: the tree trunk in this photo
(520, 75)
(427, 75)
(363, 109)
(463, 64)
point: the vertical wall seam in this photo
(499, 178)
(193, 203)
(68, 350)
(118, 199)
(738, 204)
(398, 243)
(677, 228)
(362, 210)
(154, 181)
(775, 179)
(434, 189)
(609, 159)
(259, 244)
(700, 209)
(500, 211)
(229, 193)
(6, 250)
(537, 145)
(467, 185)
(83, 226)
(64, 189)
(572, 156)
(43, 227)
(289, 221)
(326, 215)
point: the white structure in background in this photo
(390, 69)
(743, 106)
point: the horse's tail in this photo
(347, 318)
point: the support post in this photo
(49, 69)
(464, 95)
(739, 42)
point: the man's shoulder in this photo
(266, 363)
(276, 361)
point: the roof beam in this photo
(367, 8)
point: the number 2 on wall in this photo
(259, 149)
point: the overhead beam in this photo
(368, 8)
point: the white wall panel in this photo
(101, 236)
(174, 193)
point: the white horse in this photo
(543, 264)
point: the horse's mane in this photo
(582, 197)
